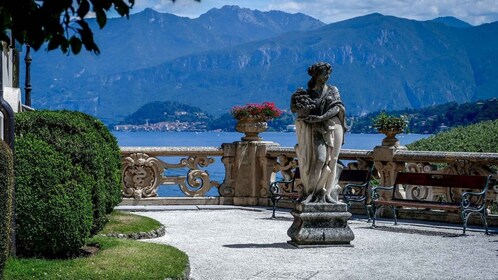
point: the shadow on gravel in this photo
(414, 231)
(264, 245)
(278, 219)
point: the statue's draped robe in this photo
(312, 135)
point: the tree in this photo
(61, 23)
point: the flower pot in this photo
(390, 140)
(251, 127)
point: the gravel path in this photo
(244, 243)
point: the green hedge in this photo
(6, 191)
(479, 138)
(89, 145)
(53, 201)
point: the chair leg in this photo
(393, 208)
(484, 217)
(374, 210)
(484, 220)
(464, 220)
(274, 202)
(368, 212)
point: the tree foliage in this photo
(53, 201)
(436, 118)
(6, 201)
(89, 146)
(61, 23)
(480, 138)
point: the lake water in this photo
(215, 139)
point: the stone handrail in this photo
(251, 166)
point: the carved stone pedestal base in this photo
(320, 224)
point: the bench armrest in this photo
(353, 185)
(350, 187)
(466, 202)
(275, 186)
(375, 191)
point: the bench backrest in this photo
(441, 180)
(348, 175)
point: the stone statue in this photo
(320, 128)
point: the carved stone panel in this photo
(141, 175)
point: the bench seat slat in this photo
(418, 204)
(291, 195)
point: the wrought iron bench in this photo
(473, 201)
(355, 191)
(282, 189)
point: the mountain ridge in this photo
(411, 63)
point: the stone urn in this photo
(251, 127)
(390, 140)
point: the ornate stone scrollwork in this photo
(286, 166)
(226, 189)
(141, 175)
(421, 192)
(363, 164)
(387, 172)
(197, 182)
(196, 162)
(465, 167)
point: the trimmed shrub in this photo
(479, 138)
(89, 145)
(6, 191)
(53, 201)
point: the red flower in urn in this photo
(252, 119)
(263, 112)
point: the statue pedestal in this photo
(320, 224)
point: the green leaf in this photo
(101, 17)
(75, 44)
(83, 8)
(54, 43)
(121, 8)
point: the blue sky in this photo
(474, 12)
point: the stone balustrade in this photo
(250, 167)
(143, 170)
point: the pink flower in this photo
(266, 111)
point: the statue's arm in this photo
(329, 114)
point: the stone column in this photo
(247, 172)
(383, 160)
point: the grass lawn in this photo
(124, 222)
(115, 259)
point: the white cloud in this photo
(473, 11)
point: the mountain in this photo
(147, 39)
(452, 21)
(150, 38)
(380, 63)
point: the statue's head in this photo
(319, 68)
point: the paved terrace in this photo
(226, 242)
